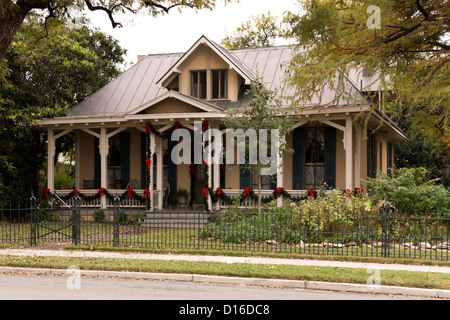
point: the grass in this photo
(289, 272)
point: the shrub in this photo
(123, 217)
(411, 192)
(99, 216)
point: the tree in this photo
(13, 12)
(405, 43)
(259, 31)
(264, 112)
(45, 77)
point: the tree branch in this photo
(109, 12)
(422, 10)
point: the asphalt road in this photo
(32, 287)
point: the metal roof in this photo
(138, 85)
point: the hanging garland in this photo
(148, 161)
(129, 193)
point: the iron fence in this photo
(381, 233)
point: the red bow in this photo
(147, 127)
(348, 192)
(147, 193)
(75, 192)
(205, 162)
(279, 192)
(47, 190)
(311, 193)
(177, 125)
(148, 162)
(205, 125)
(205, 192)
(129, 191)
(219, 191)
(246, 191)
(191, 168)
(101, 191)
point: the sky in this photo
(177, 32)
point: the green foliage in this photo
(409, 54)
(43, 76)
(331, 216)
(259, 31)
(263, 112)
(411, 191)
(181, 194)
(99, 216)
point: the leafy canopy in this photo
(409, 53)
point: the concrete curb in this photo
(197, 278)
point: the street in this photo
(31, 287)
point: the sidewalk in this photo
(309, 285)
(224, 259)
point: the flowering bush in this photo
(411, 192)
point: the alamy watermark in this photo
(74, 280)
(374, 20)
(252, 147)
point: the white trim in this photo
(168, 76)
(205, 106)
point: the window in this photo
(265, 182)
(114, 172)
(219, 84)
(217, 88)
(372, 156)
(198, 84)
(314, 157)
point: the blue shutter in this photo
(273, 182)
(244, 179)
(97, 166)
(330, 156)
(125, 158)
(298, 158)
(143, 163)
(172, 170)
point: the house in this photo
(122, 141)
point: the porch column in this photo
(358, 138)
(348, 137)
(150, 187)
(216, 166)
(280, 181)
(209, 163)
(159, 172)
(50, 160)
(103, 146)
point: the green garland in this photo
(148, 155)
(96, 196)
(251, 193)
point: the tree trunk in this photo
(10, 20)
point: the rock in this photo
(424, 245)
(271, 242)
(407, 244)
(351, 244)
(442, 246)
(376, 244)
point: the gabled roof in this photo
(138, 86)
(226, 55)
(198, 103)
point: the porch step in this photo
(175, 219)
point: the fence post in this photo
(116, 221)
(33, 220)
(76, 221)
(385, 215)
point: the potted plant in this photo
(181, 196)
